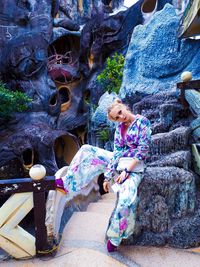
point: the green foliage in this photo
(12, 101)
(94, 107)
(111, 77)
(103, 135)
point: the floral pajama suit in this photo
(91, 161)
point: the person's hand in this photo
(106, 186)
(121, 178)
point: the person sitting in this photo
(131, 145)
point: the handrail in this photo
(39, 188)
(183, 86)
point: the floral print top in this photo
(134, 144)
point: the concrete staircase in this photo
(83, 245)
(90, 225)
(85, 232)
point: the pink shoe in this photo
(111, 247)
(60, 186)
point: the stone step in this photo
(71, 257)
(195, 250)
(103, 208)
(109, 196)
(107, 201)
(181, 159)
(160, 257)
(165, 143)
(90, 226)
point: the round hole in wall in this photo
(148, 6)
(65, 97)
(65, 148)
(28, 157)
(87, 96)
(53, 100)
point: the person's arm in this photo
(125, 174)
(141, 151)
(117, 153)
(144, 136)
(110, 170)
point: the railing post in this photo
(193, 84)
(39, 189)
(39, 219)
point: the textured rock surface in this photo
(99, 122)
(82, 10)
(164, 143)
(181, 159)
(100, 114)
(195, 125)
(167, 206)
(175, 185)
(167, 195)
(158, 40)
(193, 99)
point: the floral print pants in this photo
(122, 222)
(90, 162)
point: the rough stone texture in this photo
(193, 99)
(100, 115)
(167, 194)
(196, 129)
(99, 122)
(48, 54)
(175, 185)
(168, 203)
(158, 40)
(82, 10)
(181, 159)
(164, 111)
(185, 233)
(163, 143)
(104, 34)
(167, 206)
(61, 31)
(39, 55)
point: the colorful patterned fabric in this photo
(135, 144)
(91, 161)
(122, 221)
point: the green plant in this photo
(12, 101)
(94, 107)
(103, 135)
(111, 77)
